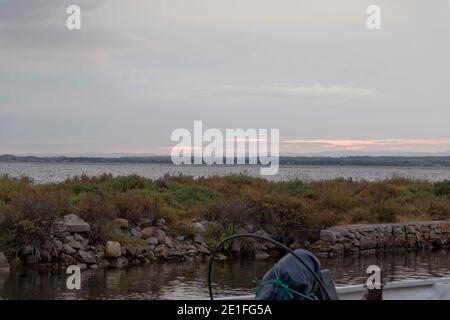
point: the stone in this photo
(169, 242)
(76, 245)
(119, 263)
(93, 266)
(367, 243)
(131, 251)
(328, 236)
(154, 232)
(145, 223)
(4, 265)
(366, 228)
(200, 226)
(113, 249)
(204, 250)
(161, 235)
(56, 248)
(199, 239)
(262, 255)
(120, 223)
(86, 257)
(152, 241)
(147, 232)
(67, 249)
(67, 260)
(174, 253)
(411, 229)
(78, 237)
(160, 222)
(82, 266)
(73, 223)
(135, 233)
(221, 257)
(161, 252)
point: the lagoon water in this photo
(54, 172)
(189, 280)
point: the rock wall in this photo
(368, 239)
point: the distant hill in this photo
(417, 161)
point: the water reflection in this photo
(189, 280)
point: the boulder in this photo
(161, 252)
(154, 232)
(113, 249)
(67, 249)
(262, 255)
(4, 265)
(135, 233)
(121, 223)
(152, 241)
(56, 248)
(169, 242)
(203, 250)
(147, 232)
(66, 260)
(328, 236)
(86, 257)
(73, 223)
(82, 266)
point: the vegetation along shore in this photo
(108, 221)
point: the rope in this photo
(279, 283)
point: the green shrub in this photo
(442, 188)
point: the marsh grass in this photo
(290, 211)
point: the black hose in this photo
(257, 236)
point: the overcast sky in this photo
(139, 69)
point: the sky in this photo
(139, 69)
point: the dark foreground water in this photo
(189, 280)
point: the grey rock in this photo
(78, 237)
(87, 257)
(366, 228)
(73, 223)
(76, 245)
(169, 242)
(135, 233)
(147, 232)
(262, 255)
(67, 249)
(113, 249)
(328, 236)
(82, 266)
(152, 241)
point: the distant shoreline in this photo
(369, 161)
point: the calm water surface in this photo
(53, 172)
(189, 280)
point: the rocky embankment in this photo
(368, 239)
(69, 244)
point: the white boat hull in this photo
(427, 289)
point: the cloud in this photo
(432, 145)
(316, 91)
